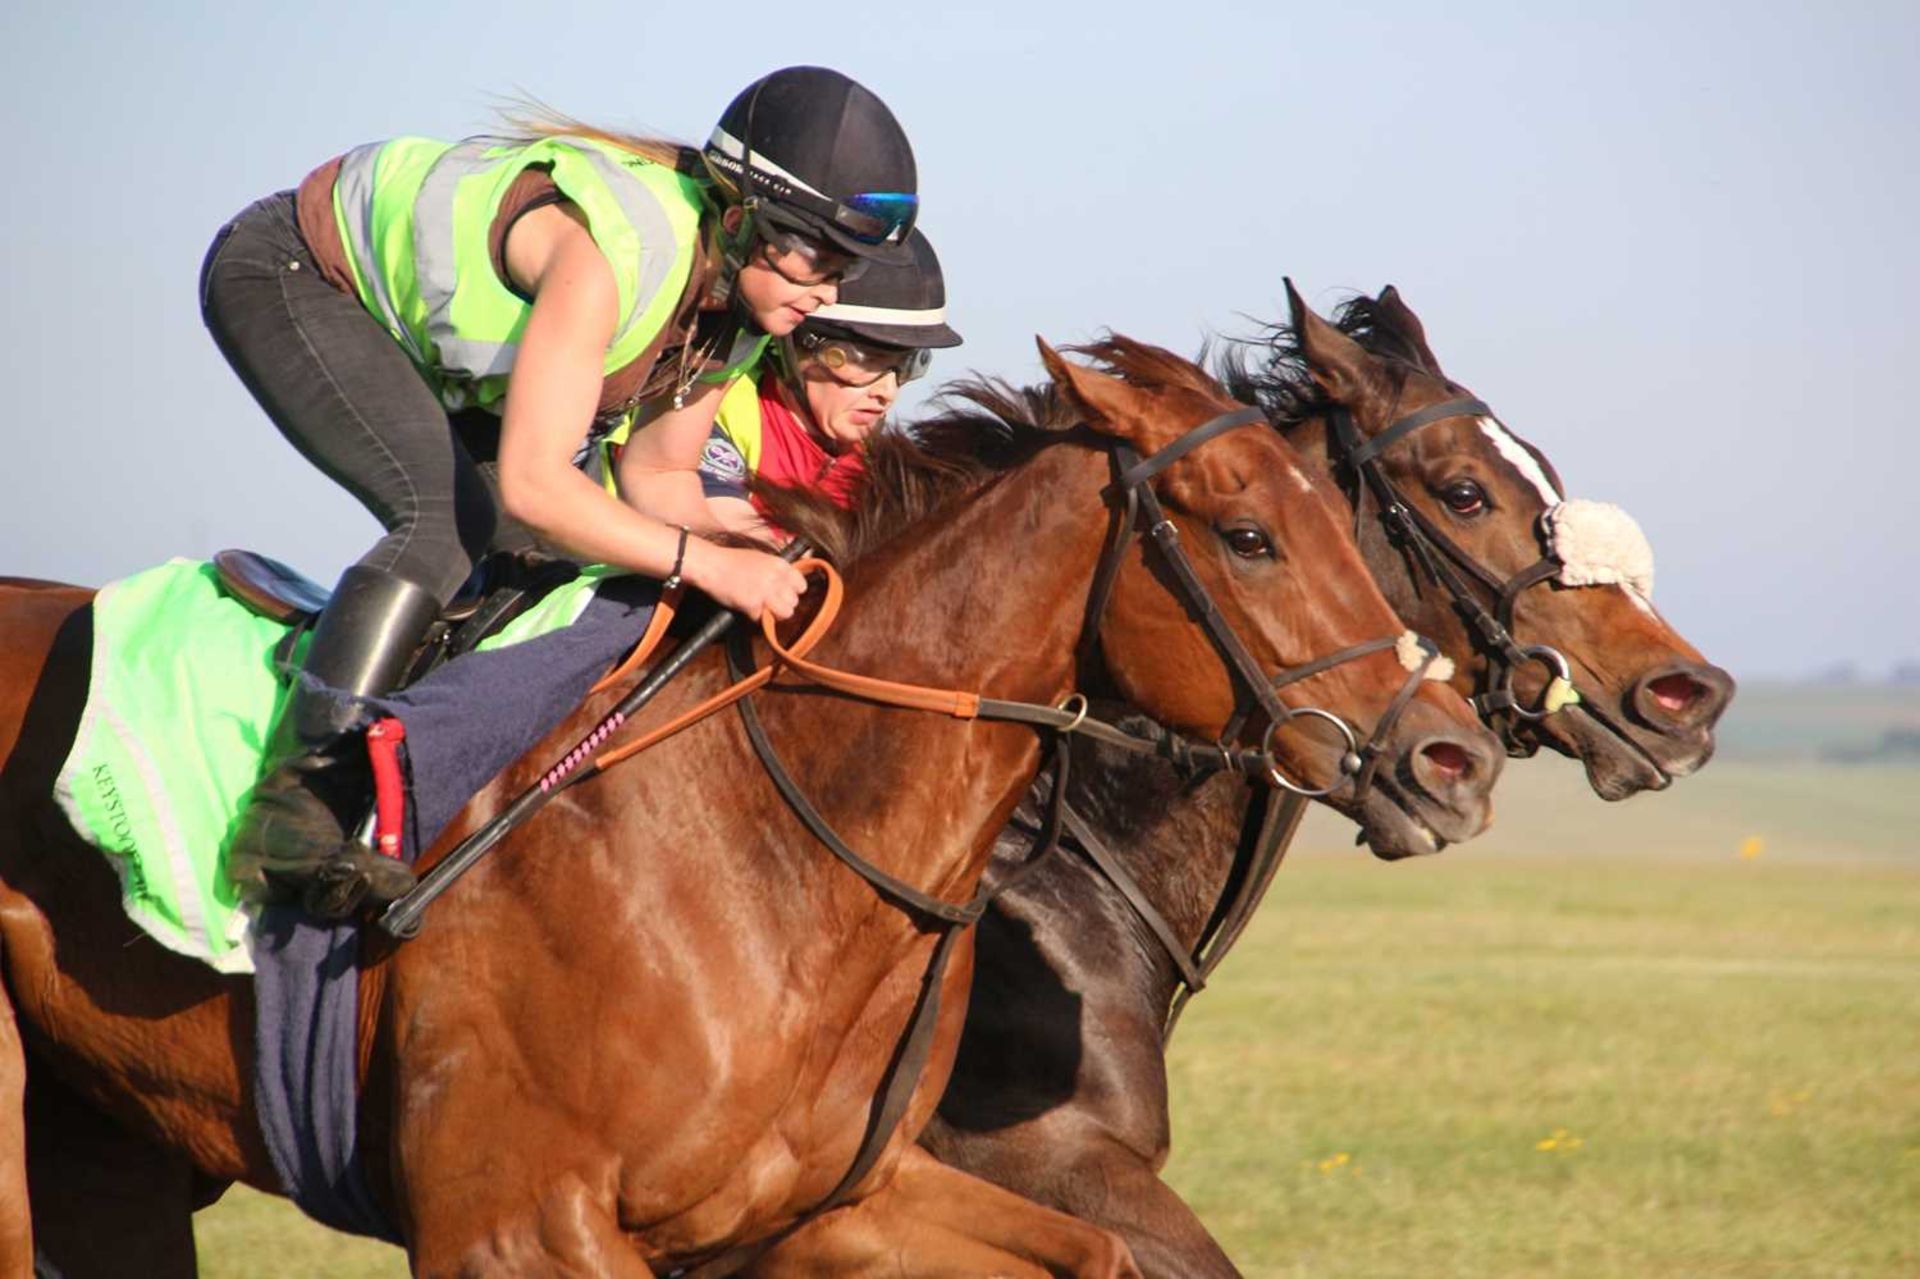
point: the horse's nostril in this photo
(1449, 760)
(1676, 692)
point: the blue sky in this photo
(1671, 243)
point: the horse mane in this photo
(982, 428)
(1270, 369)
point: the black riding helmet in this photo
(896, 308)
(812, 151)
(903, 306)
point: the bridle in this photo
(1136, 511)
(1463, 577)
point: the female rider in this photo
(416, 306)
(824, 389)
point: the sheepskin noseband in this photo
(1598, 544)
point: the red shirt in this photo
(788, 454)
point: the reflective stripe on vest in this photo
(417, 217)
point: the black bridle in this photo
(1432, 552)
(1136, 511)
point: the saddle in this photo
(503, 586)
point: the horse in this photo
(656, 1024)
(1060, 1088)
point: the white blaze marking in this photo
(1523, 461)
(1300, 479)
(1640, 601)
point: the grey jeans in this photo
(344, 393)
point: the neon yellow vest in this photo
(738, 418)
(415, 216)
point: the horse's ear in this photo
(1338, 363)
(1401, 316)
(1107, 402)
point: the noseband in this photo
(1444, 562)
(1136, 508)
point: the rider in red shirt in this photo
(826, 388)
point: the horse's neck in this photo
(1177, 837)
(992, 600)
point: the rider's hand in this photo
(747, 581)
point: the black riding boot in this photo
(295, 837)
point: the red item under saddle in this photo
(389, 785)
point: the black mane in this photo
(1269, 369)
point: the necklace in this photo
(690, 366)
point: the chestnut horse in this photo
(653, 1025)
(1060, 1089)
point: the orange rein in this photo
(960, 705)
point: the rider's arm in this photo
(658, 468)
(553, 394)
(737, 515)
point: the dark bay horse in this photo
(1060, 1089)
(654, 1024)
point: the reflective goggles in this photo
(804, 261)
(877, 217)
(857, 364)
(873, 217)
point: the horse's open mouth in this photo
(1391, 825)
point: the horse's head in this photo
(1487, 555)
(1231, 522)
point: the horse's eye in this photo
(1247, 542)
(1464, 497)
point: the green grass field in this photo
(1678, 1036)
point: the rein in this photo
(1137, 505)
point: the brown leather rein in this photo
(1135, 505)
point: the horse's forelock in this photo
(1148, 367)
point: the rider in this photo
(418, 308)
(824, 388)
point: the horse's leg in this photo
(932, 1221)
(1112, 1186)
(16, 1217)
(88, 1173)
(485, 1225)
(1089, 1174)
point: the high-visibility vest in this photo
(738, 418)
(416, 217)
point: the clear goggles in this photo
(804, 261)
(852, 363)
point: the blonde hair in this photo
(527, 119)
